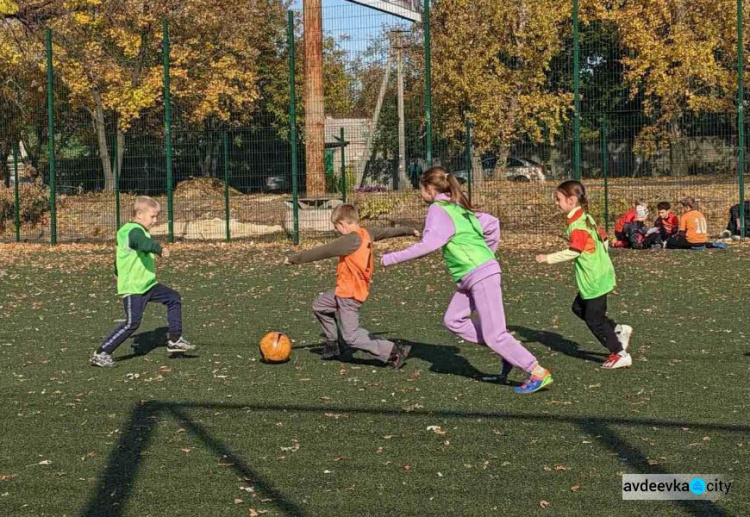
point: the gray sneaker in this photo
(180, 346)
(102, 359)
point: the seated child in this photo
(667, 223)
(693, 229)
(735, 222)
(638, 235)
(621, 239)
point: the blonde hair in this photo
(346, 213)
(144, 202)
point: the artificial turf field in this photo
(221, 433)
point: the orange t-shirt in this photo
(693, 223)
(354, 272)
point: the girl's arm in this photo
(561, 256)
(438, 230)
(578, 241)
(490, 229)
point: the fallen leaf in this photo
(544, 504)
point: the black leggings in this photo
(594, 313)
(679, 242)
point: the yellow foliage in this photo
(8, 7)
(681, 57)
(490, 64)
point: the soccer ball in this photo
(275, 347)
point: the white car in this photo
(516, 169)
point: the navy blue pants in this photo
(135, 305)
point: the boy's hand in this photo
(417, 234)
(541, 258)
(165, 252)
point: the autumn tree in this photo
(490, 61)
(679, 57)
(108, 55)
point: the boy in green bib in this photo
(135, 269)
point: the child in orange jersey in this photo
(693, 231)
(353, 278)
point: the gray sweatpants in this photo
(327, 306)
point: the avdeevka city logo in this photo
(697, 486)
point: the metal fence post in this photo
(51, 143)
(17, 209)
(741, 114)
(605, 158)
(576, 96)
(427, 83)
(467, 153)
(293, 123)
(226, 187)
(168, 129)
(116, 169)
(343, 167)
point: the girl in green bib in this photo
(595, 274)
(468, 241)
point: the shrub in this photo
(33, 204)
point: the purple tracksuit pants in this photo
(484, 294)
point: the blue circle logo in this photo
(697, 486)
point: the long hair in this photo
(575, 188)
(445, 183)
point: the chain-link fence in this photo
(252, 123)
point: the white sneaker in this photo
(623, 333)
(621, 360)
(102, 359)
(180, 346)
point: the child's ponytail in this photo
(575, 188)
(445, 183)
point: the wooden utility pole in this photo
(314, 101)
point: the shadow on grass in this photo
(116, 483)
(446, 359)
(557, 342)
(146, 342)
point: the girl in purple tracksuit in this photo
(469, 240)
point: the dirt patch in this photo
(215, 229)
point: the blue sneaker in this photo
(535, 383)
(720, 245)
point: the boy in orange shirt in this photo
(353, 278)
(693, 230)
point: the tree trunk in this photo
(502, 161)
(677, 156)
(403, 181)
(101, 135)
(476, 167)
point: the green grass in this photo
(223, 434)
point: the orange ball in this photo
(275, 347)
